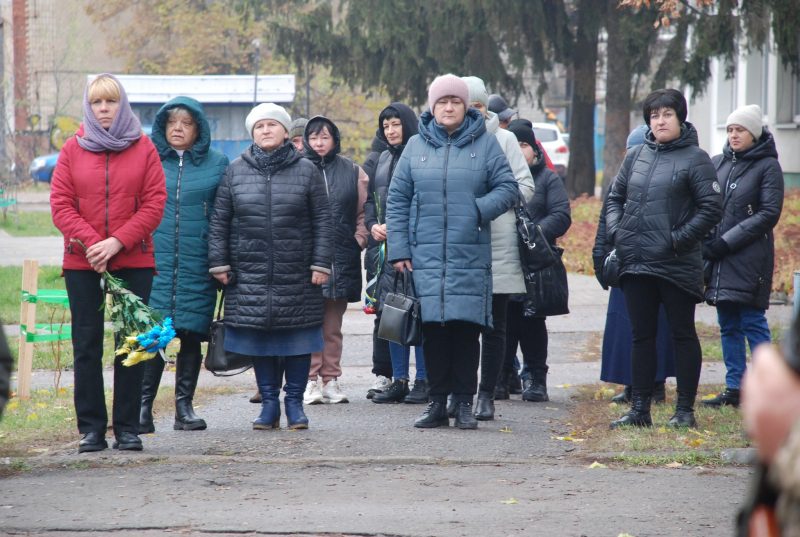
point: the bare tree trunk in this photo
(619, 71)
(581, 172)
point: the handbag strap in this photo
(408, 284)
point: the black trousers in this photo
(381, 360)
(85, 301)
(530, 333)
(493, 344)
(643, 295)
(452, 353)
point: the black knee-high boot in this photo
(187, 370)
(153, 370)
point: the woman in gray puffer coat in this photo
(450, 183)
(663, 202)
(740, 252)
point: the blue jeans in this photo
(737, 322)
(400, 358)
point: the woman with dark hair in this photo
(183, 288)
(269, 245)
(664, 200)
(549, 209)
(451, 181)
(346, 185)
(108, 194)
(741, 249)
(397, 124)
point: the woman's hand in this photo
(221, 277)
(402, 265)
(378, 232)
(318, 278)
(770, 401)
(100, 253)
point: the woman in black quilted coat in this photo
(269, 243)
(741, 250)
(663, 202)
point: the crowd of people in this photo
(281, 231)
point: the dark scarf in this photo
(124, 131)
(271, 161)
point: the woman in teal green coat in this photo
(183, 289)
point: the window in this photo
(726, 94)
(757, 78)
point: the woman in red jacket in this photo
(108, 192)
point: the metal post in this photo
(796, 298)
(257, 45)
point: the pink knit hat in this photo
(445, 85)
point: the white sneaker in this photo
(312, 395)
(333, 393)
(381, 383)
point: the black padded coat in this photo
(270, 231)
(663, 202)
(752, 183)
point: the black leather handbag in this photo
(547, 290)
(535, 252)
(220, 362)
(401, 321)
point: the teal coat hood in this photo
(200, 147)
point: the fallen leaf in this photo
(568, 438)
(563, 385)
(674, 464)
(625, 535)
(697, 442)
(510, 501)
(596, 464)
(505, 429)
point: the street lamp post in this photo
(257, 45)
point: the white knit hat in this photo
(477, 90)
(749, 117)
(447, 85)
(267, 111)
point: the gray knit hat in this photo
(749, 117)
(477, 90)
(298, 127)
(267, 111)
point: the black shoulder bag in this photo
(218, 361)
(401, 321)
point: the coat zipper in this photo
(721, 222)
(332, 283)
(644, 200)
(444, 242)
(108, 156)
(271, 251)
(176, 243)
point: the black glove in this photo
(598, 270)
(716, 249)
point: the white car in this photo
(554, 144)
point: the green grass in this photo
(11, 285)
(711, 345)
(718, 430)
(29, 224)
(46, 355)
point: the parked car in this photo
(554, 144)
(41, 168)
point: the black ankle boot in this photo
(435, 415)
(536, 392)
(187, 370)
(684, 411)
(501, 391)
(418, 394)
(728, 397)
(622, 397)
(153, 370)
(464, 418)
(484, 408)
(514, 383)
(395, 393)
(639, 414)
(660, 392)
